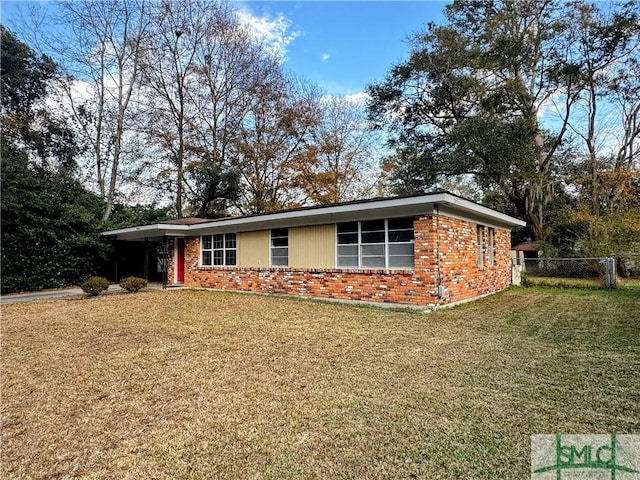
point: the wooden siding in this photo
(253, 249)
(312, 247)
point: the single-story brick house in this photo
(428, 250)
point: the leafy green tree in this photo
(476, 94)
(24, 76)
(213, 188)
(123, 216)
(49, 226)
(49, 221)
(26, 121)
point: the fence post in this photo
(610, 271)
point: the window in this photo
(348, 245)
(376, 244)
(219, 249)
(279, 247)
(372, 244)
(479, 234)
(490, 247)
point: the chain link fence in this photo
(623, 270)
(593, 268)
(589, 269)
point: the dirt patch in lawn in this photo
(196, 384)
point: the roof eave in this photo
(148, 231)
(404, 206)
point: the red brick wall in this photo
(455, 267)
(459, 271)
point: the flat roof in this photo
(444, 202)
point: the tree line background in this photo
(138, 111)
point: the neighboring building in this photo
(428, 250)
(529, 249)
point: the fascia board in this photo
(361, 211)
(143, 231)
(477, 210)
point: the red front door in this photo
(180, 260)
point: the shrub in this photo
(94, 286)
(133, 284)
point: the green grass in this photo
(584, 283)
(197, 384)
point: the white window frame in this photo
(272, 246)
(224, 250)
(386, 244)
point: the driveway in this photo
(61, 293)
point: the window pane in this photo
(347, 261)
(206, 242)
(279, 252)
(373, 262)
(230, 257)
(230, 240)
(348, 227)
(348, 250)
(401, 249)
(372, 250)
(400, 235)
(404, 261)
(218, 257)
(347, 238)
(373, 237)
(279, 242)
(373, 226)
(279, 232)
(279, 261)
(206, 258)
(218, 241)
(401, 223)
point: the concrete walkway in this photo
(60, 293)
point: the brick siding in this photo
(455, 267)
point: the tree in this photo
(606, 216)
(213, 187)
(338, 165)
(49, 227)
(274, 134)
(472, 97)
(200, 69)
(103, 62)
(27, 123)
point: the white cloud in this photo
(276, 32)
(358, 98)
(325, 57)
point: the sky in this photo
(341, 46)
(345, 45)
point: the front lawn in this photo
(198, 384)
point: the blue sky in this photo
(345, 45)
(342, 46)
